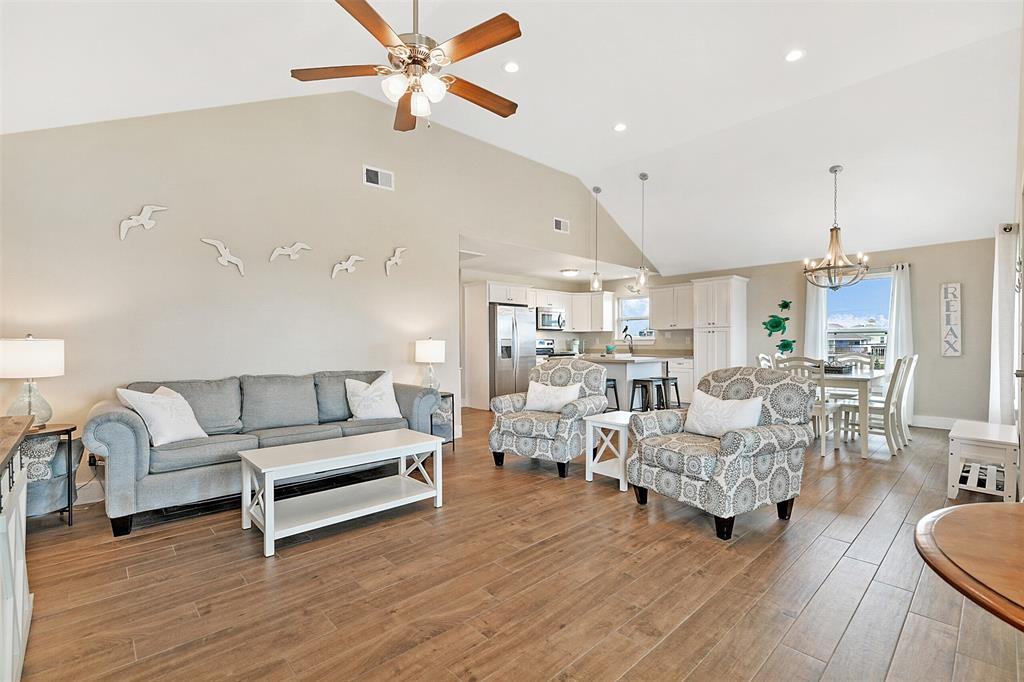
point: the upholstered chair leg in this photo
(563, 469)
(499, 458)
(723, 527)
(786, 509)
(641, 494)
(122, 525)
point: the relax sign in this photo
(949, 299)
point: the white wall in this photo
(158, 306)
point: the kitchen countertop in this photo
(636, 359)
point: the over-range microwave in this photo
(551, 319)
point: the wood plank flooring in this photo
(526, 576)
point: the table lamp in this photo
(30, 359)
(430, 351)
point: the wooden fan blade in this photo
(492, 32)
(371, 21)
(404, 120)
(325, 72)
(481, 97)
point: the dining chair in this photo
(881, 415)
(860, 362)
(824, 410)
(765, 361)
(902, 431)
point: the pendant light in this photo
(835, 270)
(642, 273)
(595, 279)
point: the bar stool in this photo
(613, 386)
(663, 392)
(646, 388)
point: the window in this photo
(634, 315)
(858, 318)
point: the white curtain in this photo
(901, 329)
(1004, 330)
(815, 320)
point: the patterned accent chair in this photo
(743, 470)
(554, 436)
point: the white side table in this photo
(984, 458)
(605, 426)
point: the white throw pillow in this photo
(544, 398)
(372, 401)
(167, 414)
(709, 416)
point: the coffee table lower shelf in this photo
(327, 507)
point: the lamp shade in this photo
(31, 358)
(430, 350)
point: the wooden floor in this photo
(526, 576)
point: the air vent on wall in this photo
(562, 225)
(378, 177)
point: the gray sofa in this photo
(237, 413)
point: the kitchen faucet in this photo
(628, 338)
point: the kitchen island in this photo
(625, 368)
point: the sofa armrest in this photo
(417, 403)
(118, 434)
(761, 440)
(657, 423)
(585, 407)
(513, 402)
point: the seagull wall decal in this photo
(226, 258)
(348, 265)
(394, 261)
(291, 251)
(144, 219)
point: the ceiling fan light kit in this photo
(835, 270)
(414, 61)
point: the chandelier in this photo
(642, 273)
(835, 270)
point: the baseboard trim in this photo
(929, 422)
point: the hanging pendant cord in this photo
(835, 200)
(643, 218)
(596, 190)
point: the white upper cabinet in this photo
(602, 312)
(720, 302)
(579, 313)
(531, 298)
(511, 294)
(672, 307)
(591, 312)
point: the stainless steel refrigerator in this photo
(513, 348)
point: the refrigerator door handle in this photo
(515, 352)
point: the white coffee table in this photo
(261, 469)
(615, 465)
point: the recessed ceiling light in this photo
(795, 55)
(569, 272)
(619, 127)
(510, 67)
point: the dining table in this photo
(861, 381)
(979, 550)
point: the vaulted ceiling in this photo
(919, 100)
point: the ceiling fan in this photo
(415, 59)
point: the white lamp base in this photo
(30, 401)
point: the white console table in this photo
(15, 599)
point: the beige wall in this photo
(158, 306)
(946, 387)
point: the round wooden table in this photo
(979, 550)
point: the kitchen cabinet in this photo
(672, 307)
(578, 319)
(511, 294)
(682, 370)
(531, 298)
(720, 302)
(720, 324)
(602, 312)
